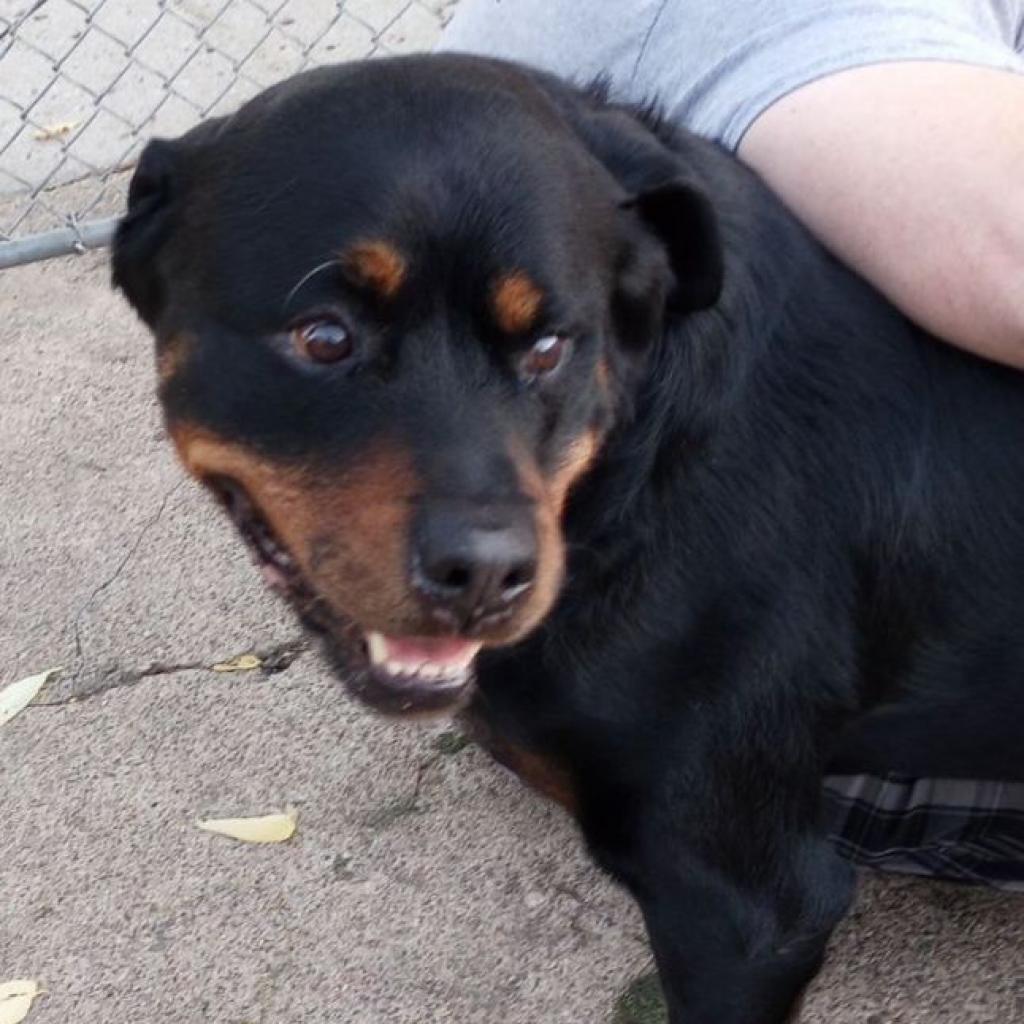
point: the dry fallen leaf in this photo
(16, 999)
(242, 663)
(270, 828)
(55, 131)
(19, 695)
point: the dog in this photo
(542, 411)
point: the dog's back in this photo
(824, 454)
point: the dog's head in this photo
(397, 305)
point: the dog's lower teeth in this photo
(424, 672)
(449, 672)
(269, 549)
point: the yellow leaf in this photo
(19, 695)
(270, 828)
(16, 1000)
(55, 131)
(243, 663)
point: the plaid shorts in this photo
(954, 829)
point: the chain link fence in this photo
(84, 84)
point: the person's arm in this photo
(913, 173)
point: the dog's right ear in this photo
(144, 228)
(661, 187)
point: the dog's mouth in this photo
(278, 568)
(415, 673)
(393, 674)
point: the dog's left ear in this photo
(155, 197)
(144, 228)
(682, 218)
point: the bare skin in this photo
(913, 173)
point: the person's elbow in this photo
(1011, 278)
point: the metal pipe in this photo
(77, 239)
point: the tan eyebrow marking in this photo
(376, 264)
(516, 301)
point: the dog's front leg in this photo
(714, 967)
(739, 890)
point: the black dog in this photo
(539, 408)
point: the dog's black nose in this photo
(474, 562)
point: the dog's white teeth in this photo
(378, 648)
(424, 671)
(271, 551)
(406, 671)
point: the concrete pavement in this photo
(423, 884)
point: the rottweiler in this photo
(543, 411)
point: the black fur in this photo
(800, 550)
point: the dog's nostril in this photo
(518, 577)
(452, 576)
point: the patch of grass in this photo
(450, 743)
(641, 1002)
(393, 811)
(341, 867)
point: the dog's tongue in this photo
(449, 653)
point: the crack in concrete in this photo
(160, 669)
(78, 698)
(274, 659)
(403, 806)
(281, 656)
(110, 580)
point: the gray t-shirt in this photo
(716, 65)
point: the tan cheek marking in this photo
(367, 514)
(516, 301)
(539, 773)
(550, 547)
(550, 496)
(578, 459)
(551, 561)
(376, 264)
(282, 492)
(172, 355)
(348, 533)
(603, 377)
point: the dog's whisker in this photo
(326, 265)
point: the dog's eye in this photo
(546, 356)
(323, 341)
